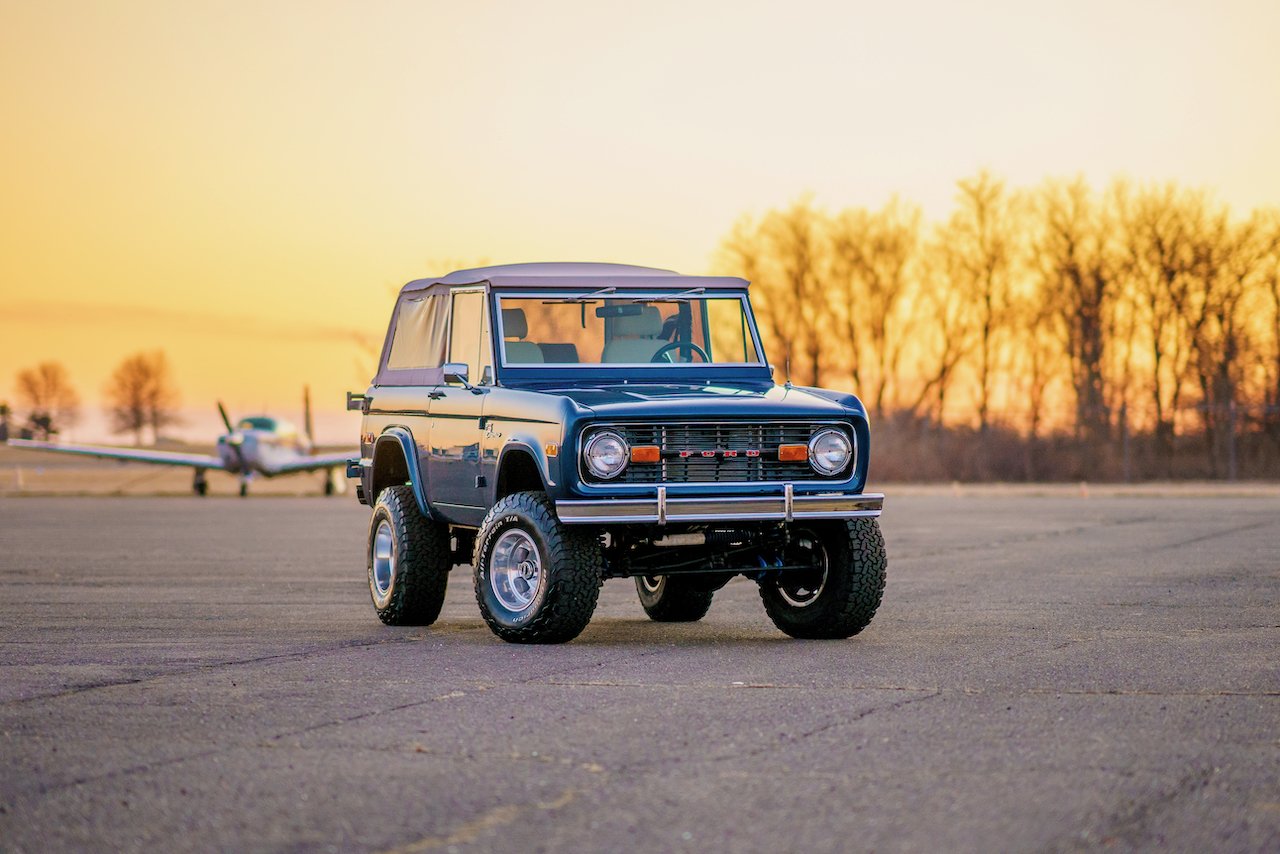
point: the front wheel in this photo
(536, 579)
(838, 594)
(672, 599)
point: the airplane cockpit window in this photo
(257, 423)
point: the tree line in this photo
(140, 396)
(1043, 332)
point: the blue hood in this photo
(657, 401)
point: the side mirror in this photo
(455, 372)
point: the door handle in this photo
(435, 395)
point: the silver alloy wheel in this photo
(383, 576)
(807, 585)
(515, 570)
(652, 583)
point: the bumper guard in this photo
(661, 510)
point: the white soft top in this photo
(574, 274)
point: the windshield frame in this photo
(573, 294)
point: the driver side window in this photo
(469, 334)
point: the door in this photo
(457, 431)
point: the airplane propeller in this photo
(226, 419)
(231, 437)
(306, 419)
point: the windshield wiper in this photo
(594, 295)
(678, 296)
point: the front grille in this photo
(682, 447)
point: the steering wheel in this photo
(687, 346)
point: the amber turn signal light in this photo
(793, 453)
(645, 454)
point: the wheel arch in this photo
(395, 463)
(518, 471)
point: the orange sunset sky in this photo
(244, 185)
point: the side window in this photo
(419, 337)
(467, 333)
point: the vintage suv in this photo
(555, 425)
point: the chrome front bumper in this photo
(660, 509)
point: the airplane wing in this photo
(163, 458)
(315, 462)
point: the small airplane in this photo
(257, 445)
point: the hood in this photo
(737, 400)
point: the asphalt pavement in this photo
(1047, 672)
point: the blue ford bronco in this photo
(555, 425)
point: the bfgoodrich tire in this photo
(672, 599)
(537, 580)
(408, 560)
(840, 595)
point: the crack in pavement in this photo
(1214, 535)
(45, 789)
(491, 819)
(782, 740)
(1130, 825)
(215, 665)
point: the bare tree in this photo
(979, 238)
(785, 255)
(1270, 277)
(944, 330)
(140, 394)
(874, 256)
(51, 402)
(1075, 286)
(1232, 260)
(1158, 229)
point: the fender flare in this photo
(402, 437)
(527, 447)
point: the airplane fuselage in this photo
(264, 452)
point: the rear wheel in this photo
(408, 560)
(673, 599)
(838, 594)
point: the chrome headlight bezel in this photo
(819, 458)
(593, 462)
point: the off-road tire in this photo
(570, 572)
(421, 548)
(856, 566)
(676, 599)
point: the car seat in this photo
(635, 337)
(519, 351)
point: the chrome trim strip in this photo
(789, 502)
(663, 510)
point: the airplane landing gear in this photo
(199, 485)
(335, 482)
(244, 488)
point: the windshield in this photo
(631, 330)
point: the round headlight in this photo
(606, 454)
(830, 451)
